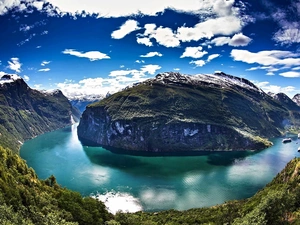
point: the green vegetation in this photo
(24, 199)
(25, 113)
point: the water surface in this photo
(154, 183)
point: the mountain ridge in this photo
(26, 112)
(187, 112)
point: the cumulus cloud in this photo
(151, 54)
(145, 41)
(44, 70)
(267, 58)
(91, 55)
(116, 81)
(15, 65)
(288, 20)
(128, 27)
(116, 8)
(198, 63)
(236, 41)
(193, 52)
(216, 26)
(139, 61)
(239, 40)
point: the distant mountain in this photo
(81, 102)
(25, 112)
(286, 101)
(175, 113)
(296, 99)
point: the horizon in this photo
(94, 48)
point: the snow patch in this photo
(9, 78)
(190, 132)
(119, 127)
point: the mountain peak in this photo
(9, 78)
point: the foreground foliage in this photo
(24, 199)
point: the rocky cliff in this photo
(181, 113)
(25, 112)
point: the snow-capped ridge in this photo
(218, 79)
(9, 78)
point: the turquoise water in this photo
(132, 183)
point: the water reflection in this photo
(132, 183)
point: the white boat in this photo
(286, 140)
(299, 135)
(299, 149)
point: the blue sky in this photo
(94, 47)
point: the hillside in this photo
(26, 113)
(175, 113)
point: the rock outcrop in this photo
(181, 113)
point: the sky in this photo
(91, 48)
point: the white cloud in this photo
(266, 58)
(193, 52)
(44, 70)
(145, 41)
(15, 65)
(26, 78)
(211, 57)
(198, 63)
(116, 8)
(239, 40)
(38, 5)
(287, 19)
(290, 74)
(176, 69)
(217, 26)
(139, 61)
(91, 55)
(267, 87)
(117, 80)
(165, 36)
(220, 41)
(128, 27)
(151, 54)
(236, 41)
(44, 63)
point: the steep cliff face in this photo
(177, 113)
(25, 112)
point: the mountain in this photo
(182, 113)
(26, 113)
(296, 99)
